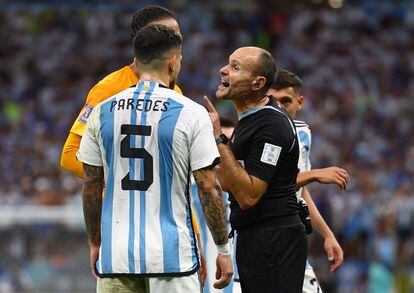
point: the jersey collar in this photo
(145, 85)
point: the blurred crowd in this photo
(357, 64)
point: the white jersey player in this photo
(149, 140)
(286, 93)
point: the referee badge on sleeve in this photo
(85, 114)
(270, 154)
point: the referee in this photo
(259, 168)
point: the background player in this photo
(285, 90)
(147, 242)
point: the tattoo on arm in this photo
(211, 198)
(93, 184)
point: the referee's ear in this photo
(258, 83)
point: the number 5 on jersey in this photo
(136, 153)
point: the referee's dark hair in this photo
(286, 79)
(266, 66)
(153, 41)
(147, 15)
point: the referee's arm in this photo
(246, 188)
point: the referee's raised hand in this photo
(214, 116)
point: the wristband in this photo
(223, 249)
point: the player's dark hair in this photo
(147, 15)
(267, 67)
(153, 41)
(286, 79)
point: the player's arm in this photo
(333, 249)
(68, 160)
(203, 156)
(211, 199)
(93, 184)
(330, 175)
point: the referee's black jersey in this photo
(265, 144)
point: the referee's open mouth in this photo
(223, 89)
(224, 84)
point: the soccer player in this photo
(259, 170)
(285, 90)
(114, 83)
(142, 144)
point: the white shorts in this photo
(310, 282)
(185, 284)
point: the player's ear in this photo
(301, 102)
(174, 62)
(258, 83)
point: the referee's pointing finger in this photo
(209, 105)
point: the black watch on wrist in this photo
(222, 138)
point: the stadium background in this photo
(356, 59)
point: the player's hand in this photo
(333, 175)
(94, 255)
(334, 252)
(203, 274)
(224, 271)
(214, 116)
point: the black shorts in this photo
(272, 259)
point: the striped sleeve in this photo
(89, 150)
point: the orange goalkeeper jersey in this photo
(112, 84)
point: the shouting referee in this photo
(259, 168)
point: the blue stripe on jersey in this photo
(142, 193)
(304, 139)
(107, 134)
(191, 229)
(236, 271)
(169, 231)
(229, 288)
(131, 234)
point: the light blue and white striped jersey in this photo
(304, 162)
(149, 139)
(305, 140)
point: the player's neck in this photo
(134, 69)
(244, 105)
(159, 77)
